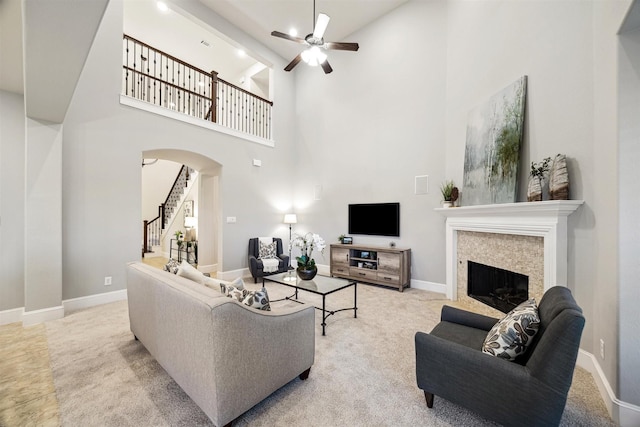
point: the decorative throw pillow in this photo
(511, 336)
(235, 293)
(257, 299)
(267, 251)
(171, 266)
(237, 283)
(190, 272)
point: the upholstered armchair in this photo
(256, 265)
(529, 391)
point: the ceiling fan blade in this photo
(326, 67)
(288, 37)
(321, 26)
(293, 63)
(341, 46)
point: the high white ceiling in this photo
(259, 17)
(255, 17)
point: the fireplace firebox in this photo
(501, 289)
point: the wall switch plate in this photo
(257, 162)
(231, 220)
(421, 184)
(107, 281)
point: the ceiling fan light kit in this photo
(314, 55)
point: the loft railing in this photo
(158, 78)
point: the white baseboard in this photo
(11, 316)
(623, 413)
(232, 274)
(33, 317)
(211, 268)
(93, 300)
(429, 286)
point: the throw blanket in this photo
(269, 265)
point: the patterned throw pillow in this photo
(267, 251)
(237, 283)
(257, 299)
(233, 292)
(511, 336)
(171, 266)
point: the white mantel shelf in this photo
(546, 219)
(548, 208)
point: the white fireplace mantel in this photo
(546, 219)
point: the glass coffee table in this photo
(320, 285)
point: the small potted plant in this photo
(536, 179)
(449, 193)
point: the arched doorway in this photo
(209, 210)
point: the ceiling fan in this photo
(314, 54)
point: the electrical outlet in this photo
(231, 220)
(107, 281)
(602, 348)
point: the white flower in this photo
(307, 244)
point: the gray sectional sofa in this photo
(226, 356)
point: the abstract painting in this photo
(492, 153)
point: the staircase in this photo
(153, 229)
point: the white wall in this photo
(367, 129)
(629, 212)
(157, 180)
(12, 141)
(103, 145)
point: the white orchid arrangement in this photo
(307, 244)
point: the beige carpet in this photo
(364, 372)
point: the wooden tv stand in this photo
(372, 264)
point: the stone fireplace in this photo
(528, 238)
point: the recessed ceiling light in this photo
(293, 32)
(241, 53)
(162, 6)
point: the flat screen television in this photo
(375, 219)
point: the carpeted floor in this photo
(364, 372)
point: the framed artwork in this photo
(492, 151)
(188, 208)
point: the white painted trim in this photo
(439, 288)
(232, 274)
(211, 268)
(93, 300)
(623, 413)
(546, 219)
(33, 317)
(13, 315)
(161, 111)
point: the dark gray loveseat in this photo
(530, 391)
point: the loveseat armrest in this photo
(257, 352)
(467, 318)
(285, 260)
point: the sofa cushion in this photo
(190, 272)
(511, 336)
(257, 299)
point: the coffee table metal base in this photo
(300, 286)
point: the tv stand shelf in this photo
(372, 264)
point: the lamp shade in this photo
(290, 219)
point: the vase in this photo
(559, 179)
(307, 273)
(447, 204)
(534, 189)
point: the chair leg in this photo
(429, 398)
(255, 280)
